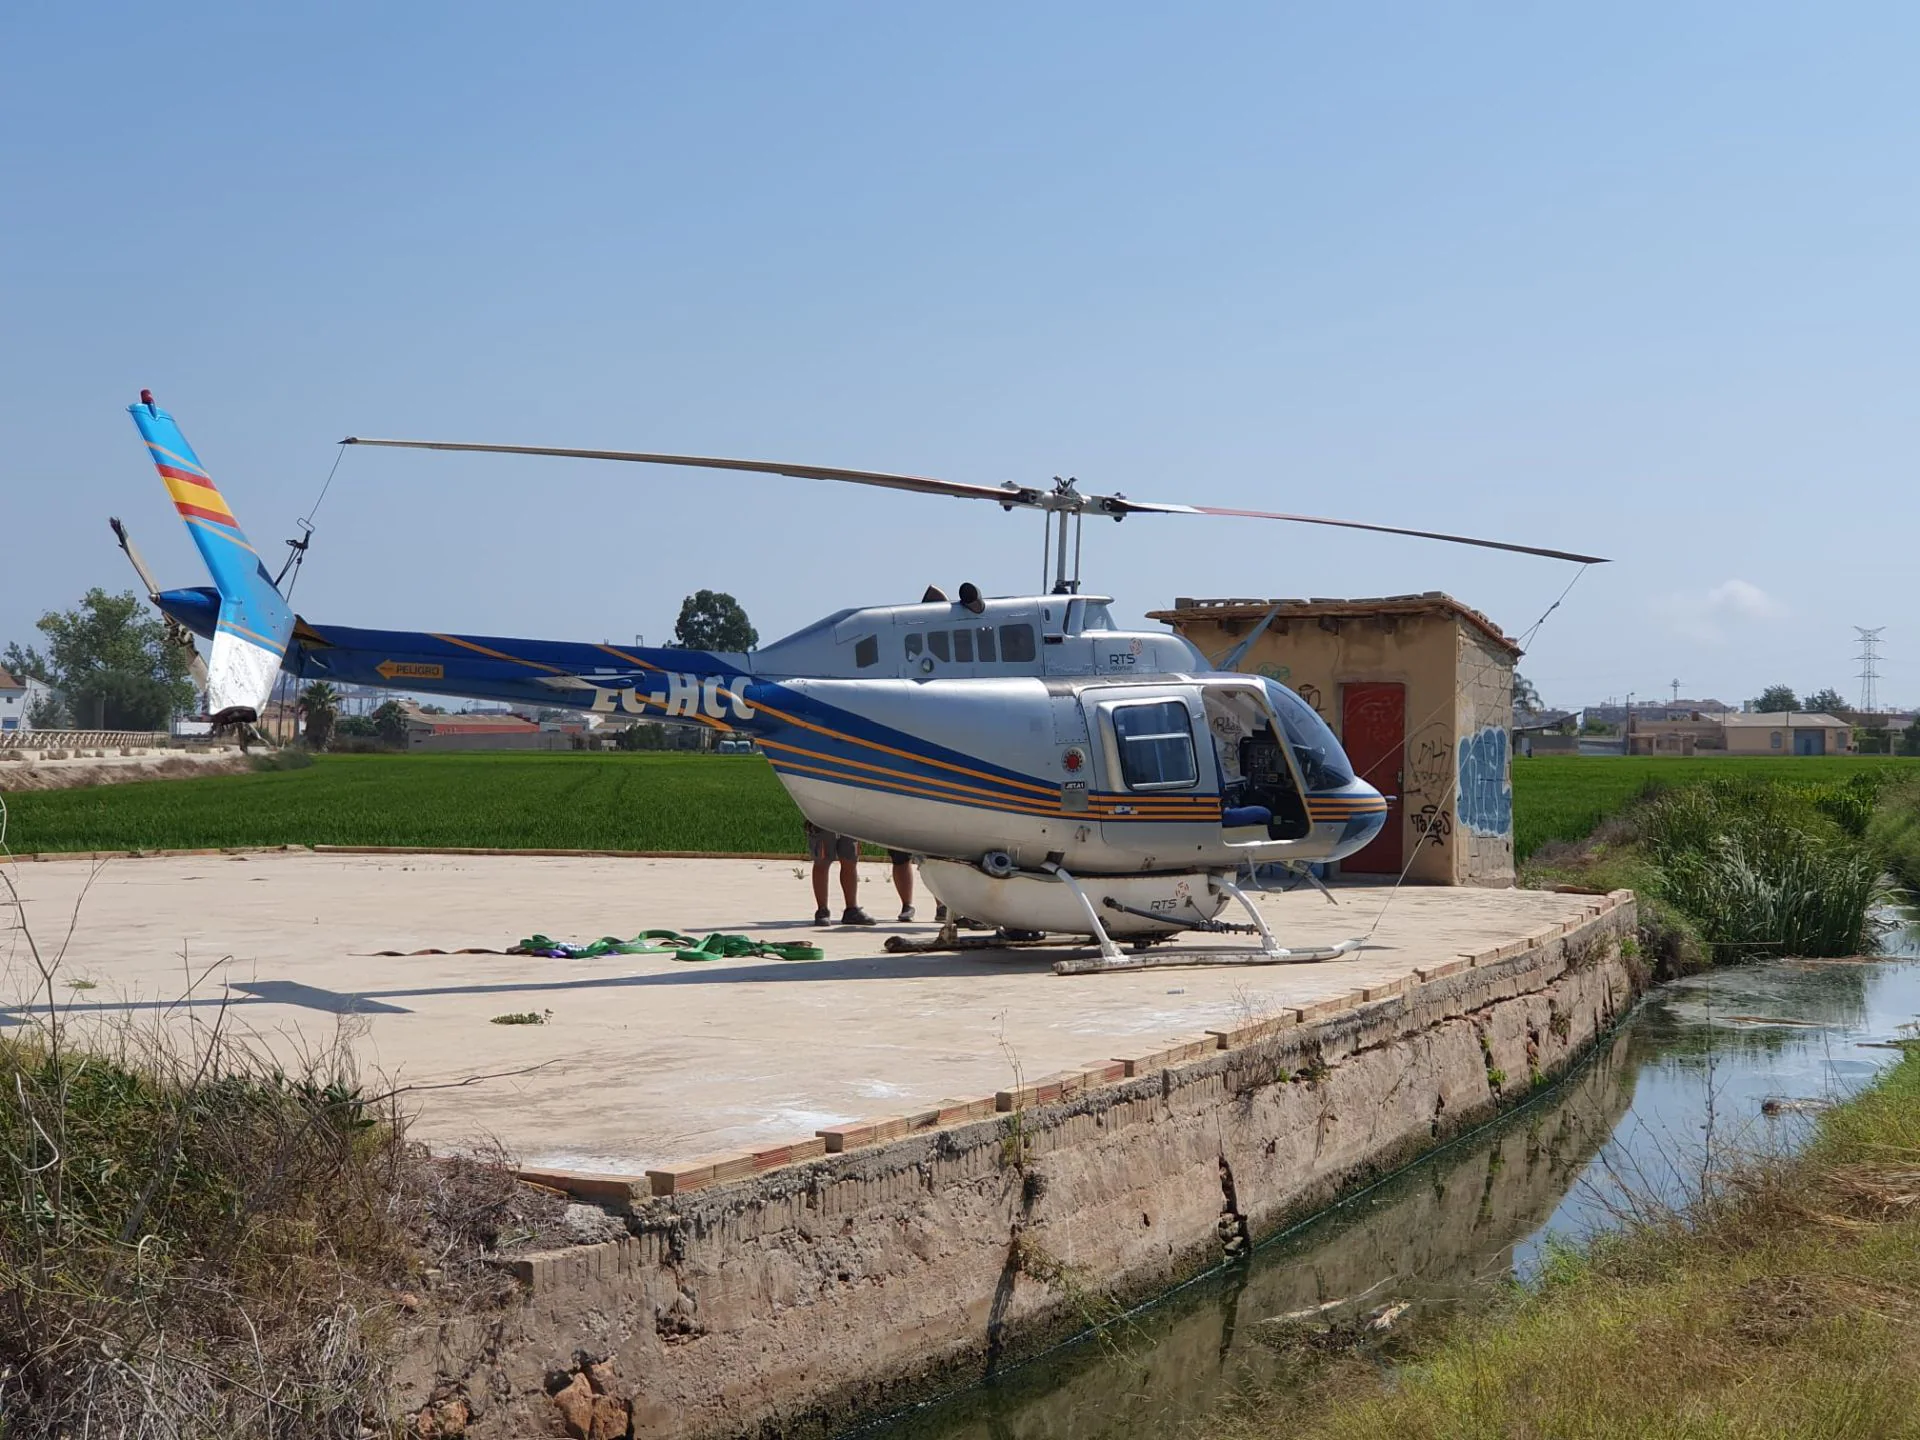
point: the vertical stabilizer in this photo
(255, 623)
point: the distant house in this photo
(480, 730)
(18, 698)
(13, 703)
(1787, 732)
(1647, 711)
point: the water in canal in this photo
(1695, 1065)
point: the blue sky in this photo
(1635, 279)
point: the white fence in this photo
(83, 739)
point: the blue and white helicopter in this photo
(1056, 774)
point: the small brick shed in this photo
(1419, 688)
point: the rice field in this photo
(1563, 797)
(673, 801)
(708, 803)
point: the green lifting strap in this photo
(717, 946)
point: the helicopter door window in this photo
(913, 647)
(986, 642)
(866, 651)
(1016, 643)
(963, 646)
(937, 644)
(1156, 746)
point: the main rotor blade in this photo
(1122, 505)
(1009, 496)
(920, 484)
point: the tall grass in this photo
(1784, 1303)
(1770, 869)
(1895, 831)
(196, 1241)
(1565, 798)
(1741, 865)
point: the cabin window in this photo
(986, 642)
(866, 651)
(963, 646)
(1156, 746)
(1016, 642)
(1096, 616)
(937, 645)
(913, 646)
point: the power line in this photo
(1869, 658)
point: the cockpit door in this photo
(1160, 790)
(1261, 794)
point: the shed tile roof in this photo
(7, 682)
(1432, 602)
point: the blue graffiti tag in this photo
(1486, 794)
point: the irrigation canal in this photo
(1696, 1066)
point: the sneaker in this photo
(856, 916)
(906, 914)
(823, 916)
(940, 913)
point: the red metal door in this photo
(1373, 731)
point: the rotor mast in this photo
(1071, 506)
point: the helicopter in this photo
(1055, 774)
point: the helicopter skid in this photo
(1054, 903)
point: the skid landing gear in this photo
(1143, 952)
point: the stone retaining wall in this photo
(792, 1292)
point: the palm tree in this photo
(1525, 697)
(320, 703)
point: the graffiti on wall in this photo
(1485, 802)
(1430, 760)
(1433, 823)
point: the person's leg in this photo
(820, 844)
(903, 882)
(850, 883)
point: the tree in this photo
(1525, 696)
(25, 663)
(713, 620)
(49, 712)
(1910, 739)
(320, 704)
(1774, 699)
(115, 663)
(391, 721)
(356, 727)
(1824, 702)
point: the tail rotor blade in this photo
(175, 631)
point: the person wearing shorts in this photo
(826, 847)
(902, 864)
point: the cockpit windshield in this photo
(1323, 764)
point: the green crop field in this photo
(509, 801)
(649, 802)
(1563, 797)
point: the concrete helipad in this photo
(645, 1059)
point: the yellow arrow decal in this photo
(409, 670)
